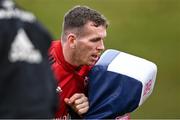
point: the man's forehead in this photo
(91, 27)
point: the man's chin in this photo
(92, 63)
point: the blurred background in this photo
(146, 28)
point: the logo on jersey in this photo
(22, 49)
(58, 89)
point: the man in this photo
(81, 44)
(27, 86)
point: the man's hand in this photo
(78, 102)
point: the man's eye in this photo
(95, 40)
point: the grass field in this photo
(146, 28)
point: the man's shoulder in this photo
(55, 52)
(55, 44)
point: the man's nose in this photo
(101, 46)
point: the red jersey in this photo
(71, 79)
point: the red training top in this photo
(70, 79)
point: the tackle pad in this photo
(118, 84)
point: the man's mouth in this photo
(95, 57)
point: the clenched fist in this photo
(78, 102)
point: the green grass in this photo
(146, 28)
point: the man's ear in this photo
(72, 40)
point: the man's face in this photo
(90, 44)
